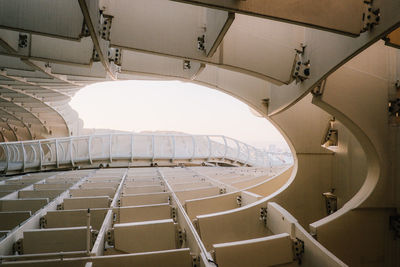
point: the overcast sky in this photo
(172, 106)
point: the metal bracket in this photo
(95, 56)
(43, 222)
(371, 16)
(263, 215)
(330, 139)
(186, 65)
(298, 250)
(239, 201)
(394, 107)
(330, 202)
(331, 136)
(60, 206)
(116, 216)
(181, 237)
(196, 261)
(319, 89)
(18, 246)
(174, 214)
(200, 43)
(114, 55)
(23, 40)
(301, 66)
(110, 237)
(105, 26)
(395, 225)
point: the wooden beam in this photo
(343, 16)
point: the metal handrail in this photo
(74, 152)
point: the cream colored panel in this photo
(234, 225)
(249, 182)
(260, 252)
(133, 61)
(23, 204)
(61, 180)
(347, 17)
(96, 69)
(54, 240)
(9, 220)
(95, 179)
(143, 189)
(92, 192)
(153, 235)
(62, 18)
(279, 220)
(86, 202)
(24, 180)
(74, 52)
(144, 199)
(189, 185)
(146, 182)
(271, 185)
(144, 213)
(39, 193)
(99, 185)
(211, 204)
(161, 28)
(197, 193)
(11, 187)
(74, 218)
(252, 44)
(52, 186)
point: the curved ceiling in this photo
(51, 49)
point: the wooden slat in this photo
(153, 236)
(9, 220)
(260, 252)
(23, 204)
(75, 218)
(54, 240)
(144, 213)
(50, 194)
(144, 199)
(86, 202)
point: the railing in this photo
(84, 150)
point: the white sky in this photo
(172, 106)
